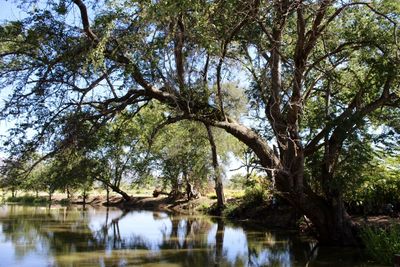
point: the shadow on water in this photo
(73, 236)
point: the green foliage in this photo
(28, 199)
(237, 181)
(376, 185)
(258, 193)
(183, 153)
(231, 210)
(382, 244)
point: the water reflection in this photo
(72, 236)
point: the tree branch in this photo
(85, 21)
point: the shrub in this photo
(382, 244)
(28, 199)
(212, 196)
(257, 194)
(232, 210)
(65, 202)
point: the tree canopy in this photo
(318, 75)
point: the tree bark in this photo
(219, 187)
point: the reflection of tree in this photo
(22, 229)
(54, 231)
(219, 241)
(191, 241)
(184, 242)
(274, 248)
(103, 235)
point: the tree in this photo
(300, 55)
(122, 153)
(11, 176)
(183, 154)
(71, 170)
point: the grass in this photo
(229, 194)
(234, 193)
(382, 243)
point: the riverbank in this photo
(274, 217)
(161, 203)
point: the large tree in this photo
(320, 70)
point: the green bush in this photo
(28, 199)
(382, 244)
(374, 193)
(65, 202)
(232, 210)
(257, 193)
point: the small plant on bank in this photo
(382, 244)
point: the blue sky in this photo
(9, 11)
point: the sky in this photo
(9, 11)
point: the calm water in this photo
(72, 236)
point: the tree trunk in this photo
(188, 185)
(219, 187)
(328, 216)
(115, 189)
(68, 193)
(333, 224)
(327, 213)
(108, 195)
(84, 196)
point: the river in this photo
(73, 236)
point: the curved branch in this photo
(85, 20)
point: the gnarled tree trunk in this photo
(331, 221)
(327, 212)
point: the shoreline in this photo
(270, 218)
